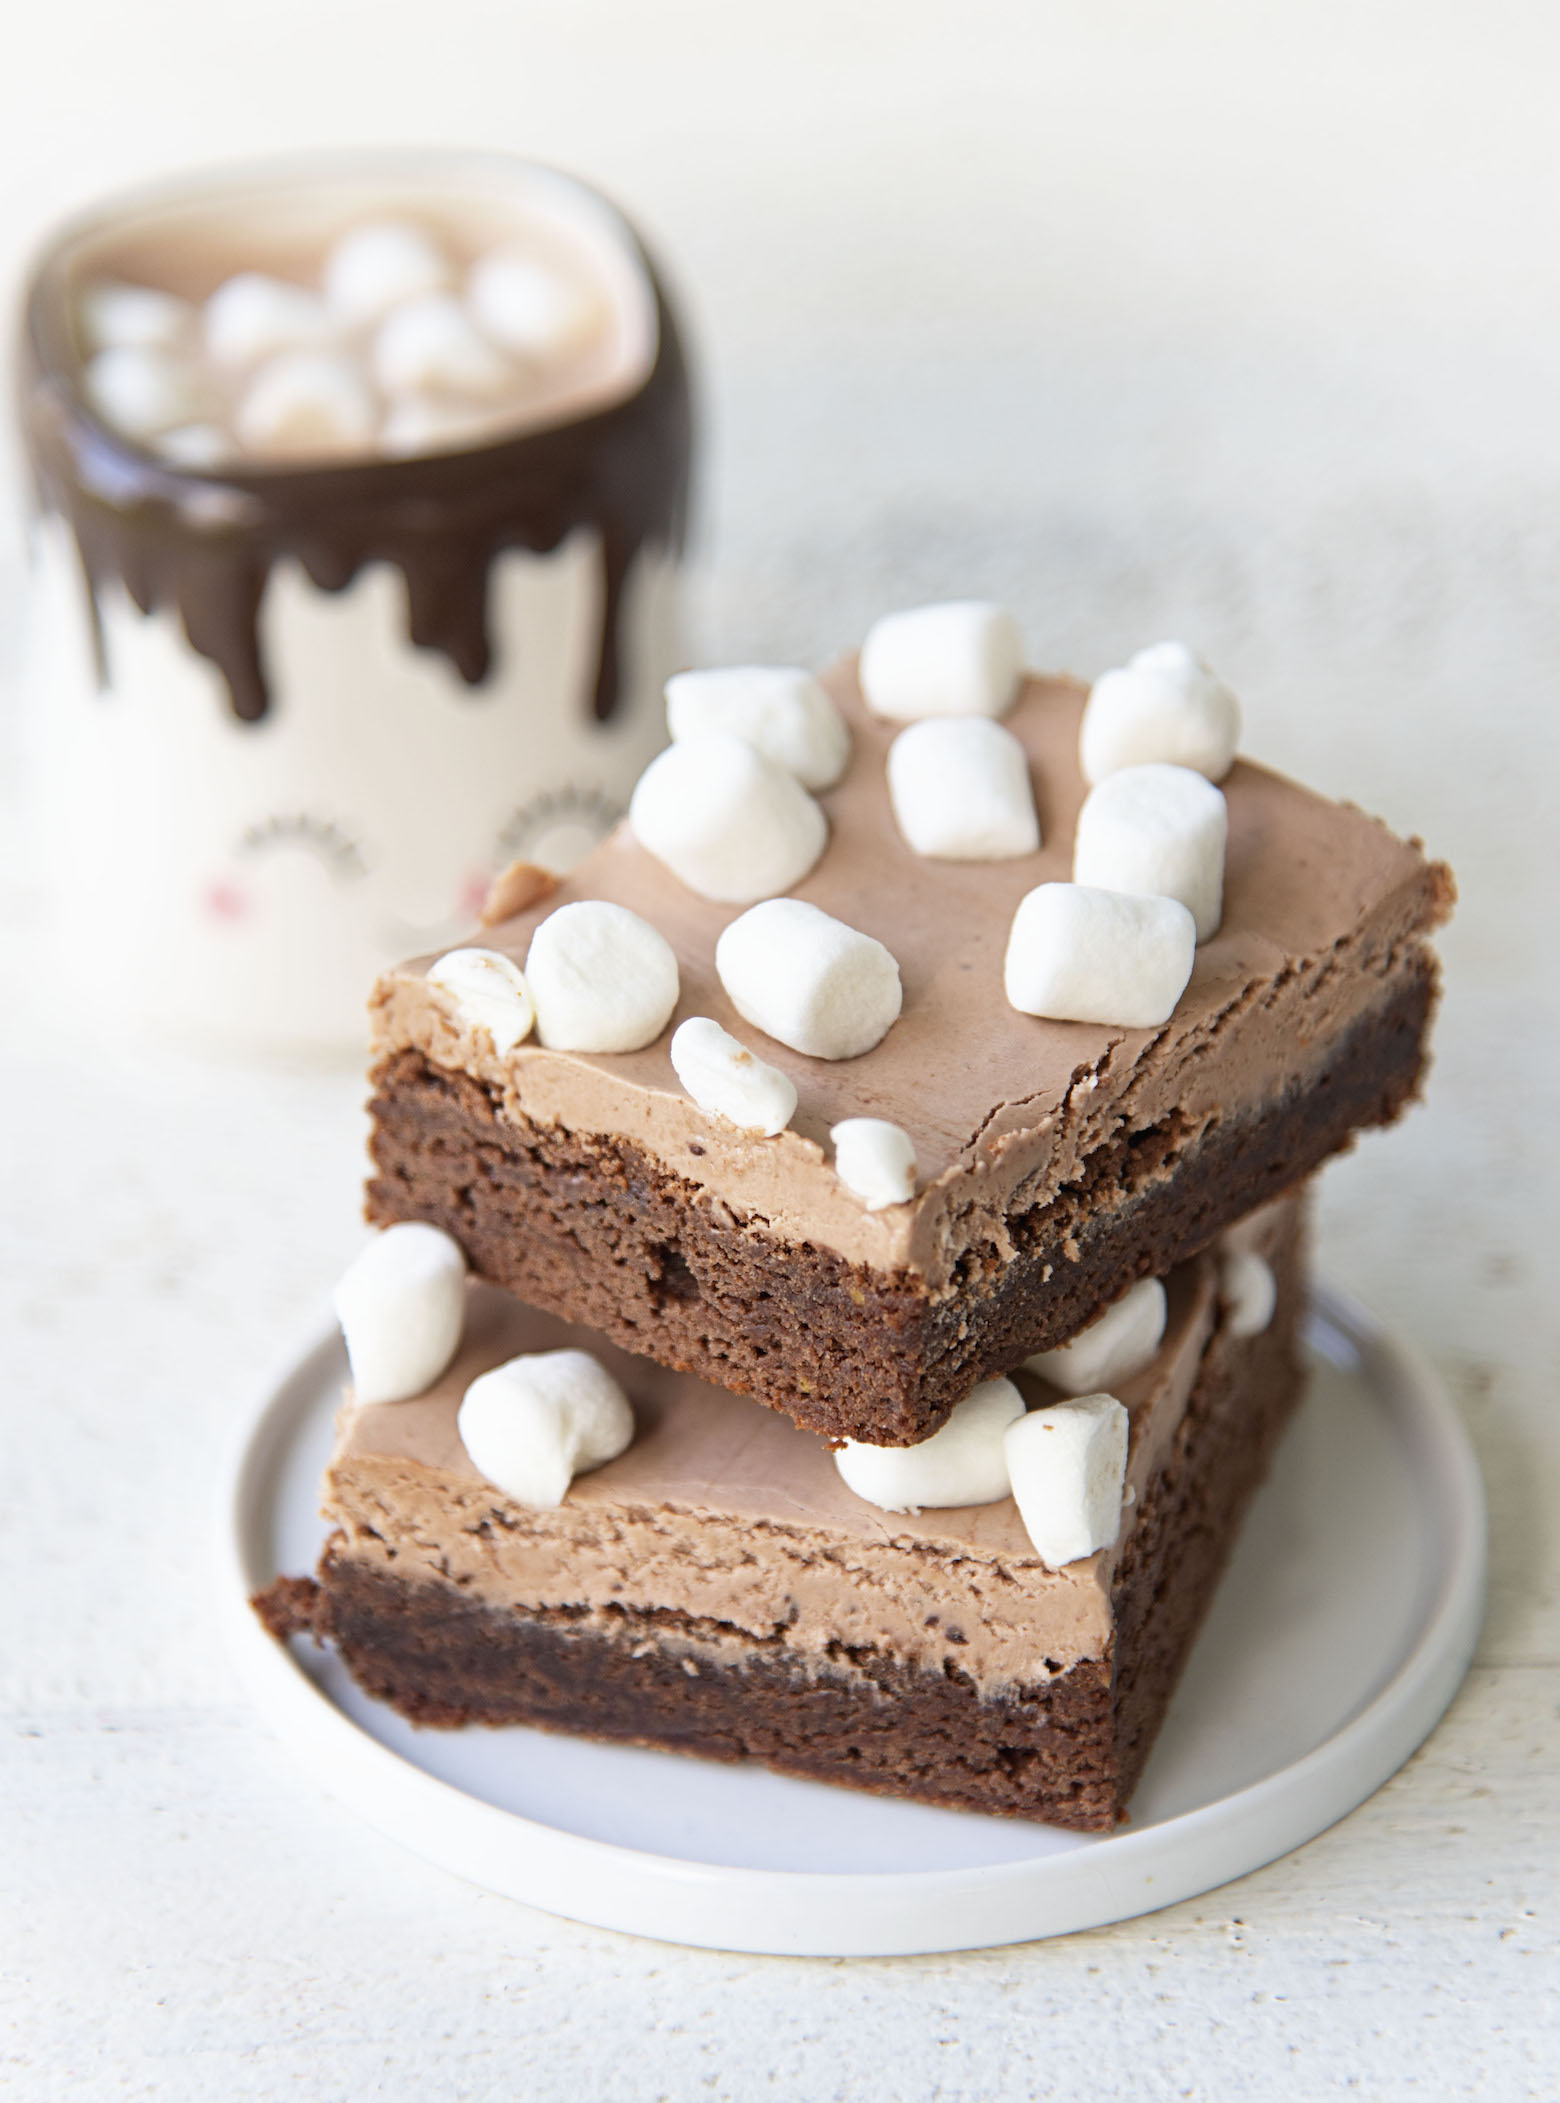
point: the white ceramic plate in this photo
(1341, 1632)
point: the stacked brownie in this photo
(878, 1168)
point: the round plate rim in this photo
(887, 1912)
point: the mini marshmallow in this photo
(531, 1425)
(1162, 705)
(1116, 1344)
(728, 1080)
(402, 1308)
(140, 391)
(195, 445)
(1159, 831)
(1249, 1292)
(1068, 1467)
(307, 403)
(960, 790)
(964, 658)
(532, 310)
(875, 1160)
(779, 708)
(137, 316)
(434, 343)
(489, 993)
(419, 423)
(1076, 954)
(964, 1463)
(808, 980)
(254, 316)
(375, 268)
(603, 980)
(725, 820)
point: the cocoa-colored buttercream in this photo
(1324, 907)
(723, 1513)
(204, 542)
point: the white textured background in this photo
(1230, 321)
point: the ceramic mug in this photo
(295, 707)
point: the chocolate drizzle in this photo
(205, 543)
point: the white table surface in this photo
(1201, 321)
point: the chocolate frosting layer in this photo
(1323, 906)
(204, 543)
(724, 1512)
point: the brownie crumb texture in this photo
(289, 1606)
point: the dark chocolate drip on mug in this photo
(204, 544)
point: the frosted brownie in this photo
(1057, 1160)
(717, 1589)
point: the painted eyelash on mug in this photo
(556, 828)
(322, 836)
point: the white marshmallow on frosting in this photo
(1161, 705)
(960, 790)
(1068, 1467)
(1159, 831)
(1116, 1344)
(534, 1423)
(602, 979)
(489, 993)
(727, 822)
(254, 316)
(875, 1160)
(402, 1309)
(779, 708)
(140, 390)
(433, 343)
(1076, 954)
(728, 1080)
(964, 1463)
(377, 267)
(963, 658)
(530, 309)
(140, 316)
(808, 980)
(1249, 1291)
(307, 403)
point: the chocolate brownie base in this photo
(593, 1229)
(1068, 1751)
